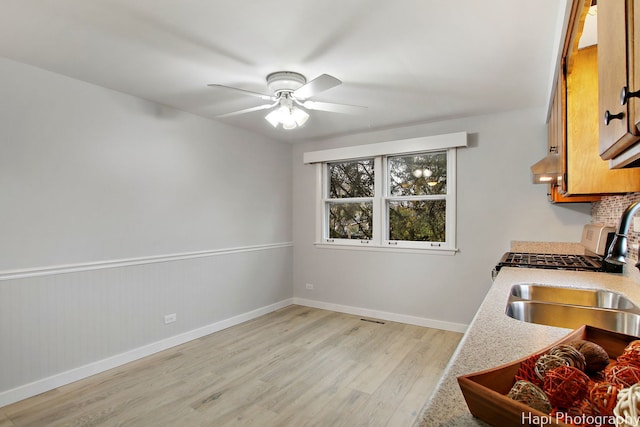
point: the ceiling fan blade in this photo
(334, 108)
(247, 110)
(317, 85)
(246, 92)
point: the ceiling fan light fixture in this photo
(288, 117)
(290, 99)
(274, 118)
(299, 115)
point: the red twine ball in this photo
(527, 372)
(603, 397)
(566, 386)
(631, 354)
(622, 375)
(633, 346)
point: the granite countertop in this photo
(494, 339)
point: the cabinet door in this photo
(613, 25)
(633, 8)
(586, 173)
(557, 130)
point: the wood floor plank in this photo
(381, 367)
(297, 366)
(5, 422)
(443, 344)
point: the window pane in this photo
(351, 179)
(418, 175)
(350, 220)
(421, 221)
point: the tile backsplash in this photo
(608, 211)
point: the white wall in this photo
(116, 211)
(90, 174)
(497, 203)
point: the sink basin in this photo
(573, 316)
(584, 297)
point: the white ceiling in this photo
(408, 61)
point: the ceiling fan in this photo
(291, 93)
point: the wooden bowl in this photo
(486, 391)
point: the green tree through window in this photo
(416, 209)
(353, 182)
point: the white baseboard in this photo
(383, 315)
(58, 380)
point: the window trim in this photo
(380, 152)
(389, 148)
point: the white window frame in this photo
(325, 200)
(380, 152)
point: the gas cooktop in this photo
(595, 240)
(551, 261)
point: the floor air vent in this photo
(373, 321)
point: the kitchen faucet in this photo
(618, 248)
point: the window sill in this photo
(430, 251)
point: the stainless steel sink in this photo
(573, 316)
(584, 297)
(571, 308)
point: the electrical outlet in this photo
(309, 286)
(170, 318)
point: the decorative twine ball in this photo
(547, 362)
(627, 407)
(633, 346)
(603, 397)
(622, 375)
(571, 354)
(565, 386)
(531, 395)
(631, 354)
(527, 370)
(596, 357)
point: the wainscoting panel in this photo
(56, 323)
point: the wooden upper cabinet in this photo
(586, 172)
(618, 71)
(574, 120)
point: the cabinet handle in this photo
(625, 95)
(608, 117)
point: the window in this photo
(416, 198)
(349, 206)
(397, 195)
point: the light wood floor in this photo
(297, 366)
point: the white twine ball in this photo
(626, 410)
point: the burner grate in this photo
(557, 261)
